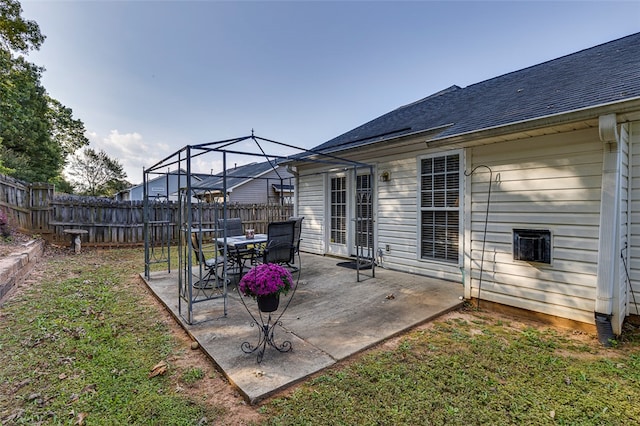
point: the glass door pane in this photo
(364, 215)
(338, 233)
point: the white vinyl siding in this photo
(260, 191)
(551, 183)
(158, 187)
(311, 205)
(633, 251)
(397, 219)
(621, 299)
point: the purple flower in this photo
(264, 279)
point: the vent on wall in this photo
(532, 245)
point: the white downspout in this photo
(296, 185)
(609, 229)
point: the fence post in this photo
(40, 196)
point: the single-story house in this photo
(254, 183)
(164, 186)
(524, 188)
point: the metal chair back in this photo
(233, 226)
(296, 232)
(280, 244)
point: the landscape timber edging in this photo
(15, 267)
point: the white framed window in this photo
(440, 180)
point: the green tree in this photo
(4, 170)
(68, 131)
(25, 130)
(38, 133)
(95, 173)
(17, 33)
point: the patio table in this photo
(237, 245)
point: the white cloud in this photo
(206, 165)
(134, 153)
(131, 150)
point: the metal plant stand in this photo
(266, 331)
(266, 325)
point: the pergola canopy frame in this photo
(190, 205)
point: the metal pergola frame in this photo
(157, 230)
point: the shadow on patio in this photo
(330, 318)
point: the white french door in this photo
(350, 215)
(338, 214)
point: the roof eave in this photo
(621, 108)
(407, 136)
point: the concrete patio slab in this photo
(330, 317)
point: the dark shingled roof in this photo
(236, 176)
(599, 75)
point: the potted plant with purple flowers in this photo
(265, 283)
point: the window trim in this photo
(459, 208)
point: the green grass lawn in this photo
(476, 370)
(78, 346)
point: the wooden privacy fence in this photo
(26, 205)
(33, 208)
(122, 222)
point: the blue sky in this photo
(148, 78)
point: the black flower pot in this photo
(268, 303)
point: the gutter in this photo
(294, 172)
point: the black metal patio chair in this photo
(238, 257)
(232, 225)
(213, 265)
(296, 242)
(280, 246)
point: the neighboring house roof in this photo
(607, 73)
(282, 188)
(239, 175)
(158, 177)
